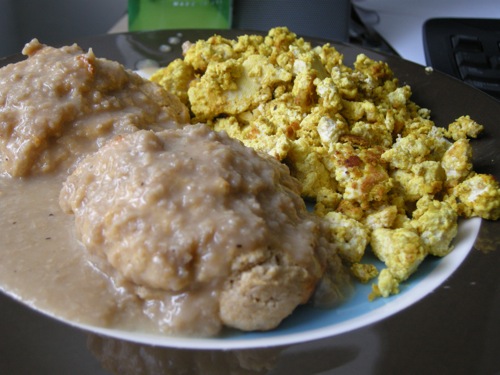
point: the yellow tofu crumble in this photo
(377, 167)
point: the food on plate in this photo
(477, 195)
(61, 103)
(190, 201)
(370, 158)
(208, 232)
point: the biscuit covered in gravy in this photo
(61, 103)
(210, 232)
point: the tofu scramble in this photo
(375, 165)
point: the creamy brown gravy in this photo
(41, 263)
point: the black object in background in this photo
(468, 49)
(327, 19)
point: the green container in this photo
(179, 14)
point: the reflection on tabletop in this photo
(356, 353)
